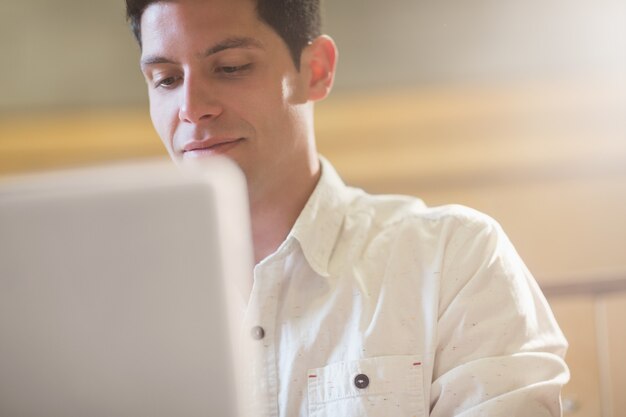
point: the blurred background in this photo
(516, 108)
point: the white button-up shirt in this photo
(380, 306)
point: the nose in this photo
(198, 102)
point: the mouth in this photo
(210, 147)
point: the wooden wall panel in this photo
(576, 316)
(38, 141)
(616, 326)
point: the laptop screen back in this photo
(112, 300)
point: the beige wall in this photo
(78, 53)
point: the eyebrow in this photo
(229, 43)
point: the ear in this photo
(319, 60)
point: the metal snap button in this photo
(257, 333)
(361, 381)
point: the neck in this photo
(276, 211)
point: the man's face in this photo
(221, 81)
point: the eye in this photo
(166, 82)
(233, 69)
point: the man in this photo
(365, 305)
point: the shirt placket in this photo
(260, 326)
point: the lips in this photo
(210, 146)
(208, 143)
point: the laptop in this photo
(120, 290)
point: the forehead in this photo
(187, 21)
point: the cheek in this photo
(164, 119)
(293, 91)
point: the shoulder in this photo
(405, 213)
(403, 230)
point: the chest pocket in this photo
(373, 387)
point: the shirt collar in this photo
(319, 223)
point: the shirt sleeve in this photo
(499, 349)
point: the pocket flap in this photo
(371, 376)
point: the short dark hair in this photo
(297, 22)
